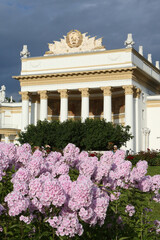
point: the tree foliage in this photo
(93, 134)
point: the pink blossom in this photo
(114, 196)
(42, 183)
(26, 219)
(88, 166)
(16, 203)
(52, 193)
(157, 224)
(130, 209)
(145, 184)
(81, 193)
(71, 153)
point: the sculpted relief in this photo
(75, 42)
(74, 38)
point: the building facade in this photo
(78, 79)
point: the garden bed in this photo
(53, 195)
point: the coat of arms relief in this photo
(75, 42)
(74, 38)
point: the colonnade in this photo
(129, 91)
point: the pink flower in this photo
(81, 193)
(130, 210)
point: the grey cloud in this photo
(38, 22)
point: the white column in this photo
(43, 105)
(2, 120)
(129, 113)
(6, 137)
(25, 109)
(146, 132)
(34, 109)
(107, 104)
(35, 113)
(63, 105)
(84, 103)
(137, 120)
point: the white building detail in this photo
(78, 78)
(2, 94)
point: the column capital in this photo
(146, 131)
(6, 134)
(63, 93)
(43, 94)
(25, 95)
(128, 89)
(107, 91)
(84, 92)
(137, 93)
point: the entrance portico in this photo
(91, 103)
(77, 81)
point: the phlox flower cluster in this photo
(130, 210)
(42, 183)
(7, 157)
(157, 224)
(13, 155)
(27, 219)
(67, 224)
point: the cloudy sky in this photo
(39, 22)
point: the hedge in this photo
(93, 134)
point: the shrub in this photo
(93, 134)
(152, 157)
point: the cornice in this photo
(145, 61)
(70, 74)
(146, 80)
(134, 73)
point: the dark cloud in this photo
(38, 22)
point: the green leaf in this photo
(124, 238)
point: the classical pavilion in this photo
(78, 78)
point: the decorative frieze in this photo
(84, 92)
(106, 91)
(63, 93)
(129, 89)
(25, 95)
